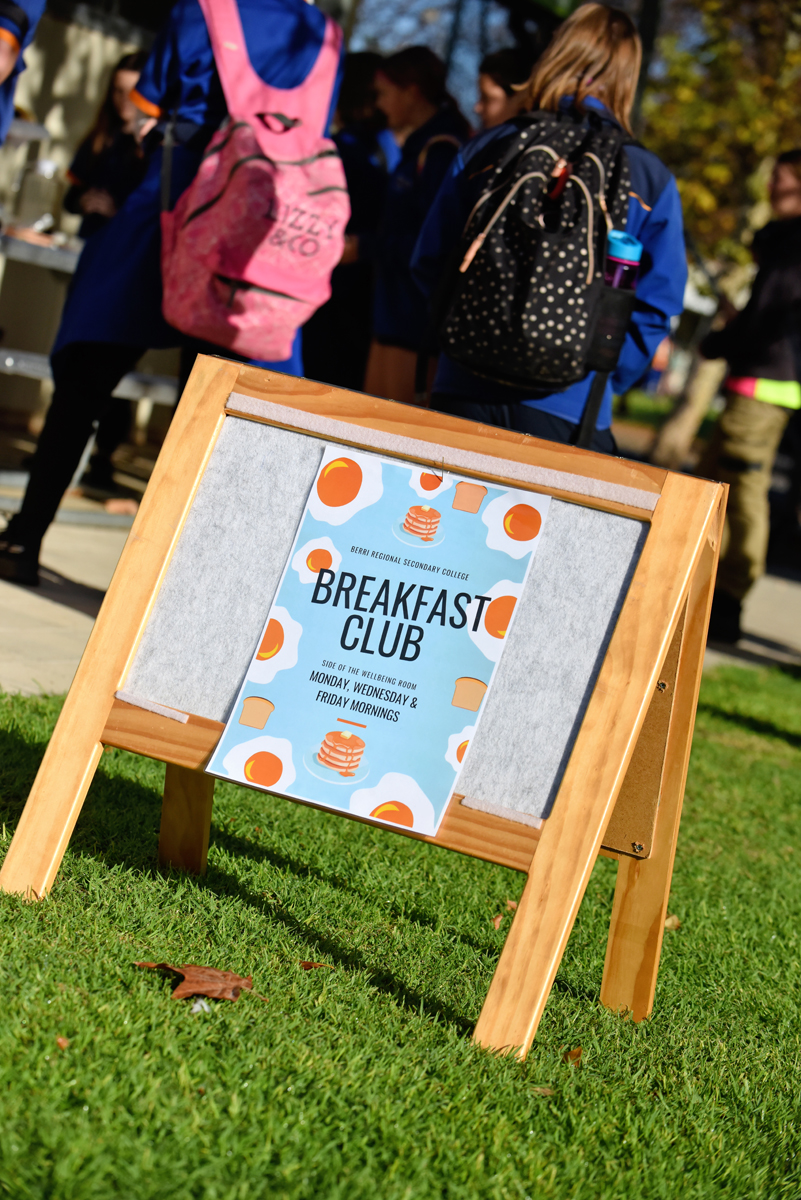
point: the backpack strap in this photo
(167, 145)
(286, 121)
(438, 139)
(589, 418)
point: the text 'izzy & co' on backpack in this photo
(248, 250)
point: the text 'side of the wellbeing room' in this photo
(382, 640)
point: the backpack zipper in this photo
(241, 285)
(478, 242)
(601, 190)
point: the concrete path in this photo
(43, 631)
(772, 625)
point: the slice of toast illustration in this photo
(256, 712)
(468, 497)
(468, 693)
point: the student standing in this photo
(763, 347)
(502, 79)
(412, 94)
(113, 310)
(110, 162)
(591, 66)
(108, 165)
(336, 341)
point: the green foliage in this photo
(724, 95)
(362, 1081)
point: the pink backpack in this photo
(248, 250)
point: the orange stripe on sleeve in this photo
(640, 200)
(144, 105)
(7, 36)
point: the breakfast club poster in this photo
(385, 633)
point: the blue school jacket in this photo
(18, 23)
(116, 292)
(654, 217)
(399, 315)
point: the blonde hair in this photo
(595, 52)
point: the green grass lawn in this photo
(361, 1081)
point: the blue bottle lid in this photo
(623, 246)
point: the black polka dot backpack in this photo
(526, 304)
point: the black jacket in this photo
(764, 340)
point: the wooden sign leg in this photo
(643, 885)
(186, 819)
(74, 751)
(545, 914)
(571, 838)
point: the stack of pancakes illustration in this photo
(341, 752)
(422, 522)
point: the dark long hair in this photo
(107, 123)
(421, 66)
(510, 67)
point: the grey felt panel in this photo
(211, 608)
(565, 619)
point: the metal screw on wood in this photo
(661, 686)
(638, 846)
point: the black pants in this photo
(523, 419)
(85, 374)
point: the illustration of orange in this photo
(319, 559)
(498, 616)
(394, 811)
(339, 482)
(522, 523)
(263, 768)
(430, 483)
(272, 641)
(461, 750)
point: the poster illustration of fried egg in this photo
(369, 676)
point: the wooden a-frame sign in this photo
(628, 766)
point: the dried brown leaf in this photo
(543, 1091)
(203, 981)
(312, 966)
(62, 1043)
(573, 1057)
(511, 905)
(497, 920)
(672, 922)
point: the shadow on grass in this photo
(763, 728)
(329, 949)
(119, 826)
(243, 848)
